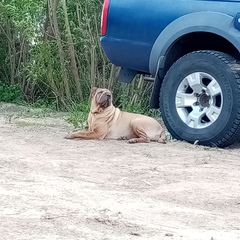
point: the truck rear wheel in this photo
(200, 99)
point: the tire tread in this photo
(233, 133)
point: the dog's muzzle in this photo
(105, 99)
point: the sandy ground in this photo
(53, 188)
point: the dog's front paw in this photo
(69, 136)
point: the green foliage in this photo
(24, 14)
(126, 105)
(10, 93)
(45, 104)
(30, 58)
(133, 97)
(78, 115)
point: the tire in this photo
(200, 99)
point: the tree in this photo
(72, 53)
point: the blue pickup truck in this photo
(190, 49)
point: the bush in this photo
(10, 93)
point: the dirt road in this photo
(52, 188)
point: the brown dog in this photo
(107, 122)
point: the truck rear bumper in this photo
(126, 54)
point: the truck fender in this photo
(213, 22)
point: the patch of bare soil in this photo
(53, 188)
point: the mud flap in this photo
(126, 75)
(154, 99)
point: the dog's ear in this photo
(93, 91)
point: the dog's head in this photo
(101, 98)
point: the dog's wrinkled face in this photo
(102, 97)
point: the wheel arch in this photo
(188, 33)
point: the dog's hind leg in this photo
(141, 136)
(162, 138)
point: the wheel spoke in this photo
(214, 88)
(194, 81)
(192, 120)
(184, 99)
(213, 113)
